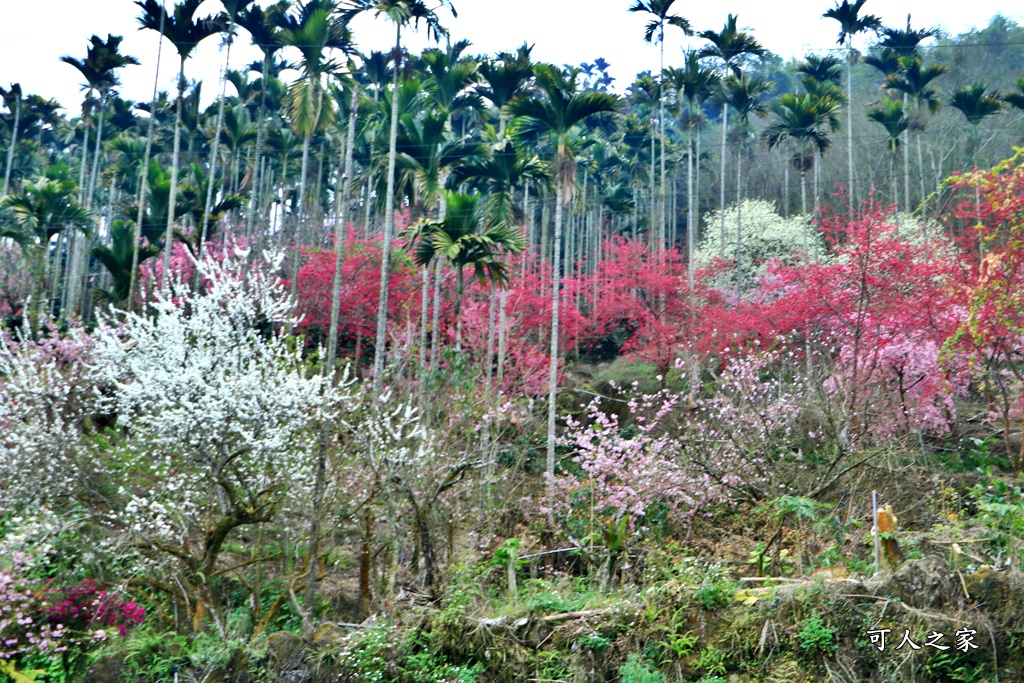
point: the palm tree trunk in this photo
(725, 132)
(906, 165)
(459, 292)
(435, 323)
(14, 143)
(96, 155)
(341, 230)
(300, 221)
(803, 204)
(691, 222)
(260, 136)
(652, 208)
(739, 214)
(379, 352)
(553, 360)
(83, 169)
(785, 186)
(663, 224)
(920, 172)
(169, 234)
(144, 181)
(696, 184)
(817, 205)
(895, 185)
(424, 321)
(849, 121)
(215, 154)
(502, 336)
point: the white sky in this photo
(34, 36)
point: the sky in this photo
(562, 31)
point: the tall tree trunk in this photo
(803, 204)
(906, 164)
(817, 204)
(435, 323)
(920, 174)
(652, 208)
(96, 156)
(172, 200)
(785, 185)
(725, 132)
(849, 120)
(14, 143)
(553, 359)
(895, 186)
(83, 169)
(663, 223)
(144, 181)
(300, 216)
(691, 213)
(380, 351)
(502, 336)
(260, 137)
(341, 229)
(739, 213)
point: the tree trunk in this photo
(169, 234)
(739, 214)
(137, 232)
(920, 174)
(260, 136)
(663, 223)
(380, 350)
(96, 156)
(14, 143)
(214, 153)
(849, 120)
(502, 336)
(553, 360)
(725, 131)
(300, 220)
(435, 323)
(459, 292)
(803, 205)
(691, 222)
(652, 208)
(906, 165)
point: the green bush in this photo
(635, 670)
(816, 636)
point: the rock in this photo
(922, 583)
(327, 633)
(105, 669)
(284, 647)
(989, 587)
(237, 668)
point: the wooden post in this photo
(874, 519)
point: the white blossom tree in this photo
(222, 416)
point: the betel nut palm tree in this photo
(892, 116)
(730, 47)
(661, 17)
(465, 238)
(400, 13)
(851, 23)
(806, 122)
(694, 84)
(558, 107)
(185, 32)
(314, 28)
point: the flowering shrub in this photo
(24, 628)
(84, 606)
(766, 236)
(45, 396)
